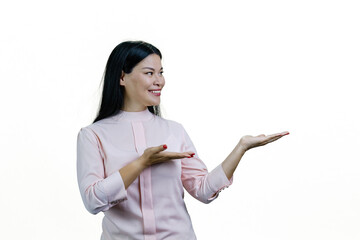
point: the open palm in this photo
(248, 142)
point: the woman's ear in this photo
(122, 80)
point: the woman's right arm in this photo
(99, 193)
(152, 155)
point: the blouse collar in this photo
(135, 116)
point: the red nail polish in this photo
(192, 154)
(164, 146)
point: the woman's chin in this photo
(153, 104)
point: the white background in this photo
(232, 68)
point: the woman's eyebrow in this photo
(151, 68)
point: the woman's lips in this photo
(155, 92)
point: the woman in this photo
(132, 164)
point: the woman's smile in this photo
(156, 92)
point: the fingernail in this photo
(192, 154)
(164, 146)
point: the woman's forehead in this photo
(152, 61)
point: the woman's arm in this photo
(206, 186)
(246, 143)
(202, 185)
(131, 171)
(152, 155)
(100, 193)
(231, 162)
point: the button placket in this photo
(145, 184)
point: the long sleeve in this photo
(201, 184)
(153, 203)
(99, 193)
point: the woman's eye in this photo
(151, 73)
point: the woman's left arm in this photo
(206, 186)
(246, 143)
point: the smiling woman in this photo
(121, 63)
(143, 85)
(134, 165)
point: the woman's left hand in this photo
(247, 142)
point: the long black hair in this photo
(124, 57)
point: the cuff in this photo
(114, 188)
(218, 181)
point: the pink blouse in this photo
(152, 207)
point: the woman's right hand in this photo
(155, 155)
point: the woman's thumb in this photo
(160, 148)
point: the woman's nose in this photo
(159, 81)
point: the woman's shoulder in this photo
(88, 130)
(105, 122)
(93, 128)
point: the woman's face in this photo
(143, 85)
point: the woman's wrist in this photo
(241, 148)
(141, 162)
